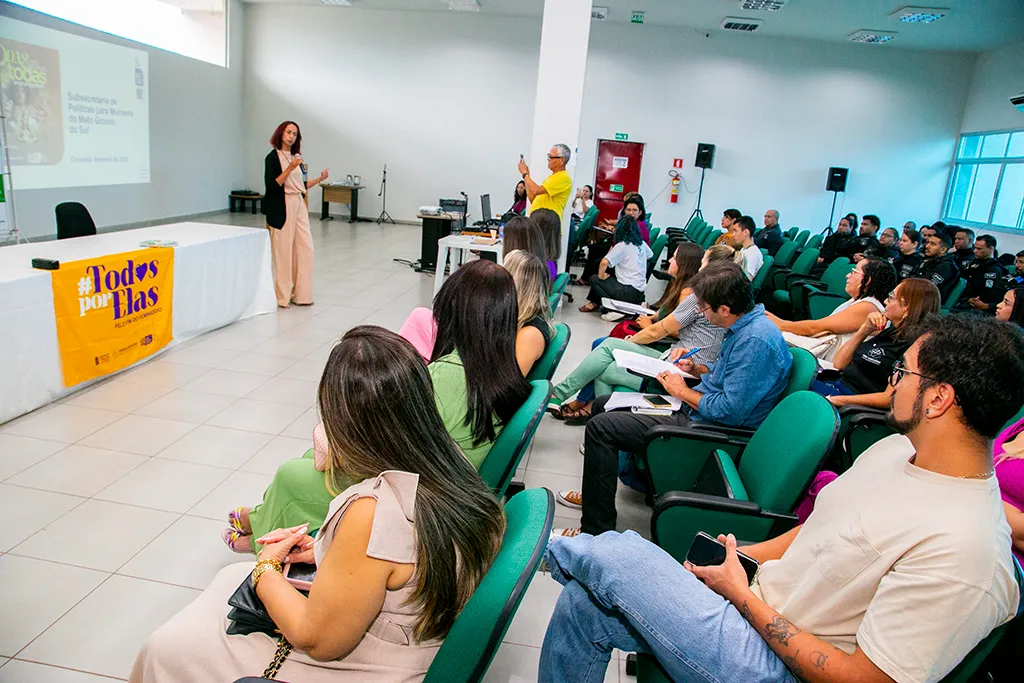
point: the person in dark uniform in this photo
(986, 278)
(865, 240)
(886, 249)
(835, 242)
(1016, 279)
(909, 246)
(963, 246)
(938, 265)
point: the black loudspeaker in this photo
(705, 155)
(836, 179)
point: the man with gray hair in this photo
(770, 237)
(554, 192)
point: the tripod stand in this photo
(831, 215)
(700, 192)
(384, 216)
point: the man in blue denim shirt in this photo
(739, 389)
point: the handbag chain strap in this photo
(283, 649)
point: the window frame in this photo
(1002, 162)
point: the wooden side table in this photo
(241, 199)
(340, 194)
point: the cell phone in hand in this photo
(657, 401)
(706, 551)
(300, 574)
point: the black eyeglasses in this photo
(555, 157)
(899, 370)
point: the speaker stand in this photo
(832, 214)
(384, 216)
(700, 192)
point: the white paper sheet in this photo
(625, 307)
(645, 365)
(628, 400)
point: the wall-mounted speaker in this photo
(705, 155)
(836, 179)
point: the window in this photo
(194, 28)
(986, 187)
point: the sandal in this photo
(590, 307)
(235, 520)
(238, 542)
(579, 416)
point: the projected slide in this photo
(77, 109)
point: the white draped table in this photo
(222, 273)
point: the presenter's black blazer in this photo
(273, 195)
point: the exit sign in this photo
(615, 188)
(621, 136)
(637, 17)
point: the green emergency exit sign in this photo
(615, 188)
(621, 136)
(637, 17)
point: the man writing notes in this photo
(554, 192)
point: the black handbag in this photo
(248, 615)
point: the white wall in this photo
(998, 76)
(780, 113)
(445, 100)
(195, 139)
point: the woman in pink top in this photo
(1009, 458)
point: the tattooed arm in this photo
(808, 657)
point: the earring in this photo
(928, 411)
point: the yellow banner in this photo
(112, 311)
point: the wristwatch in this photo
(261, 568)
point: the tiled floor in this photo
(113, 498)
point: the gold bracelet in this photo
(261, 568)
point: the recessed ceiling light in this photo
(344, 3)
(872, 37)
(463, 5)
(919, 15)
(739, 24)
(763, 5)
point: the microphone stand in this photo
(384, 216)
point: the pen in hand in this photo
(685, 355)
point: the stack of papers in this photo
(645, 365)
(625, 307)
(636, 402)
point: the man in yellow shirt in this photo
(554, 192)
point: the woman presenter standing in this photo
(286, 211)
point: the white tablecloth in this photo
(222, 273)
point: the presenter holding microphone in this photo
(288, 216)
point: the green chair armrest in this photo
(676, 456)
(737, 433)
(734, 487)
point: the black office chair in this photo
(73, 220)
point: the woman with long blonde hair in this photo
(535, 328)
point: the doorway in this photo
(618, 172)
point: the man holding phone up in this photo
(554, 192)
(902, 568)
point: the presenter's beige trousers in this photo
(292, 247)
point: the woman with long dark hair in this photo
(1011, 308)
(628, 256)
(864, 363)
(683, 323)
(288, 217)
(519, 200)
(551, 229)
(478, 386)
(602, 237)
(869, 284)
(523, 233)
(406, 541)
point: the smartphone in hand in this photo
(706, 551)
(301, 574)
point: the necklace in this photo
(986, 475)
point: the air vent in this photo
(343, 3)
(872, 37)
(463, 5)
(762, 5)
(598, 13)
(918, 15)
(739, 24)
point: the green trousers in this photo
(297, 495)
(599, 367)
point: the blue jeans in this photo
(621, 591)
(831, 387)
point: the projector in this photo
(430, 211)
(1018, 102)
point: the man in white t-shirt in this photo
(901, 570)
(743, 240)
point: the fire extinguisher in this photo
(674, 197)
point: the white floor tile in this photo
(104, 632)
(339, 318)
(159, 374)
(26, 511)
(139, 434)
(225, 383)
(189, 553)
(287, 348)
(230, 340)
(78, 470)
(306, 332)
(121, 398)
(18, 453)
(556, 457)
(551, 429)
(241, 488)
(215, 446)
(96, 535)
(257, 416)
(186, 406)
(296, 392)
(165, 485)
(257, 363)
(34, 594)
(64, 423)
(30, 672)
(514, 664)
(302, 428)
(306, 369)
(199, 356)
(271, 456)
(534, 612)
